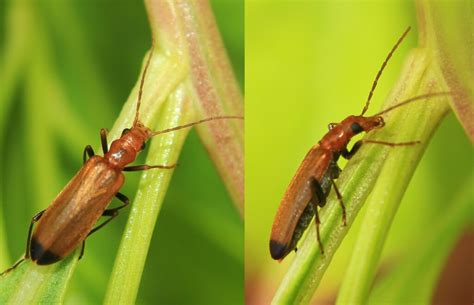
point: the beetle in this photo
(312, 182)
(71, 217)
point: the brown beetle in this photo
(70, 218)
(312, 181)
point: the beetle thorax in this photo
(124, 150)
(336, 138)
(339, 136)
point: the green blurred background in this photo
(66, 69)
(310, 63)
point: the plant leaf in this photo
(29, 283)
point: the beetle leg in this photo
(33, 221)
(145, 167)
(27, 254)
(348, 154)
(318, 223)
(339, 197)
(317, 193)
(112, 213)
(317, 198)
(13, 267)
(122, 198)
(82, 249)
(88, 151)
(103, 140)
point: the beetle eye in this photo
(143, 146)
(356, 128)
(125, 131)
(380, 121)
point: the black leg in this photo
(339, 197)
(103, 140)
(348, 154)
(112, 213)
(28, 240)
(88, 151)
(147, 167)
(317, 221)
(122, 198)
(13, 267)
(82, 250)
(318, 196)
(318, 199)
(30, 230)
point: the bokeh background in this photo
(66, 69)
(310, 63)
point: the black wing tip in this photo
(278, 250)
(40, 256)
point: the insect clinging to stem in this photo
(71, 217)
(312, 182)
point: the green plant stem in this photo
(445, 70)
(386, 170)
(423, 261)
(447, 29)
(188, 28)
(195, 71)
(386, 195)
(130, 261)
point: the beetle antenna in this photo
(382, 68)
(410, 100)
(142, 81)
(195, 123)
